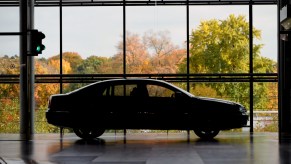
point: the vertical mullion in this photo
(61, 46)
(124, 39)
(188, 48)
(251, 66)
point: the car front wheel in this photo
(205, 133)
(88, 133)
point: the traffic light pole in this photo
(26, 71)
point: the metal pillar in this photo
(26, 72)
(285, 89)
(251, 92)
(284, 60)
(124, 39)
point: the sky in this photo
(98, 30)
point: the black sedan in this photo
(141, 104)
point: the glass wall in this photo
(91, 40)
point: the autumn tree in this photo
(222, 46)
(165, 56)
(154, 52)
(72, 59)
(9, 96)
(9, 66)
(137, 56)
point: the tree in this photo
(154, 53)
(137, 56)
(92, 65)
(159, 43)
(222, 46)
(55, 63)
(73, 58)
(165, 56)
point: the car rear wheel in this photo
(206, 133)
(88, 133)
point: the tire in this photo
(88, 134)
(205, 133)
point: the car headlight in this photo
(242, 109)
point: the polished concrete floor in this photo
(147, 148)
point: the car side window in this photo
(159, 91)
(107, 91)
(119, 90)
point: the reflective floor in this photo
(147, 148)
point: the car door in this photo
(161, 107)
(121, 105)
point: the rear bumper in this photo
(60, 118)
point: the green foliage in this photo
(9, 65)
(73, 58)
(9, 115)
(91, 65)
(222, 46)
(41, 125)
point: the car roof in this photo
(130, 79)
(133, 80)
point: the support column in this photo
(285, 88)
(26, 71)
(284, 61)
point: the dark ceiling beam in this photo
(48, 3)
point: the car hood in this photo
(218, 100)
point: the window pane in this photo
(9, 19)
(42, 93)
(155, 39)
(9, 63)
(266, 107)
(219, 39)
(9, 108)
(47, 21)
(90, 39)
(265, 20)
(9, 45)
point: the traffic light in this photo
(36, 38)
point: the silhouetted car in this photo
(141, 104)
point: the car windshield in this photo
(179, 89)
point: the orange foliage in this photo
(55, 63)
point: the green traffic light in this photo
(39, 48)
